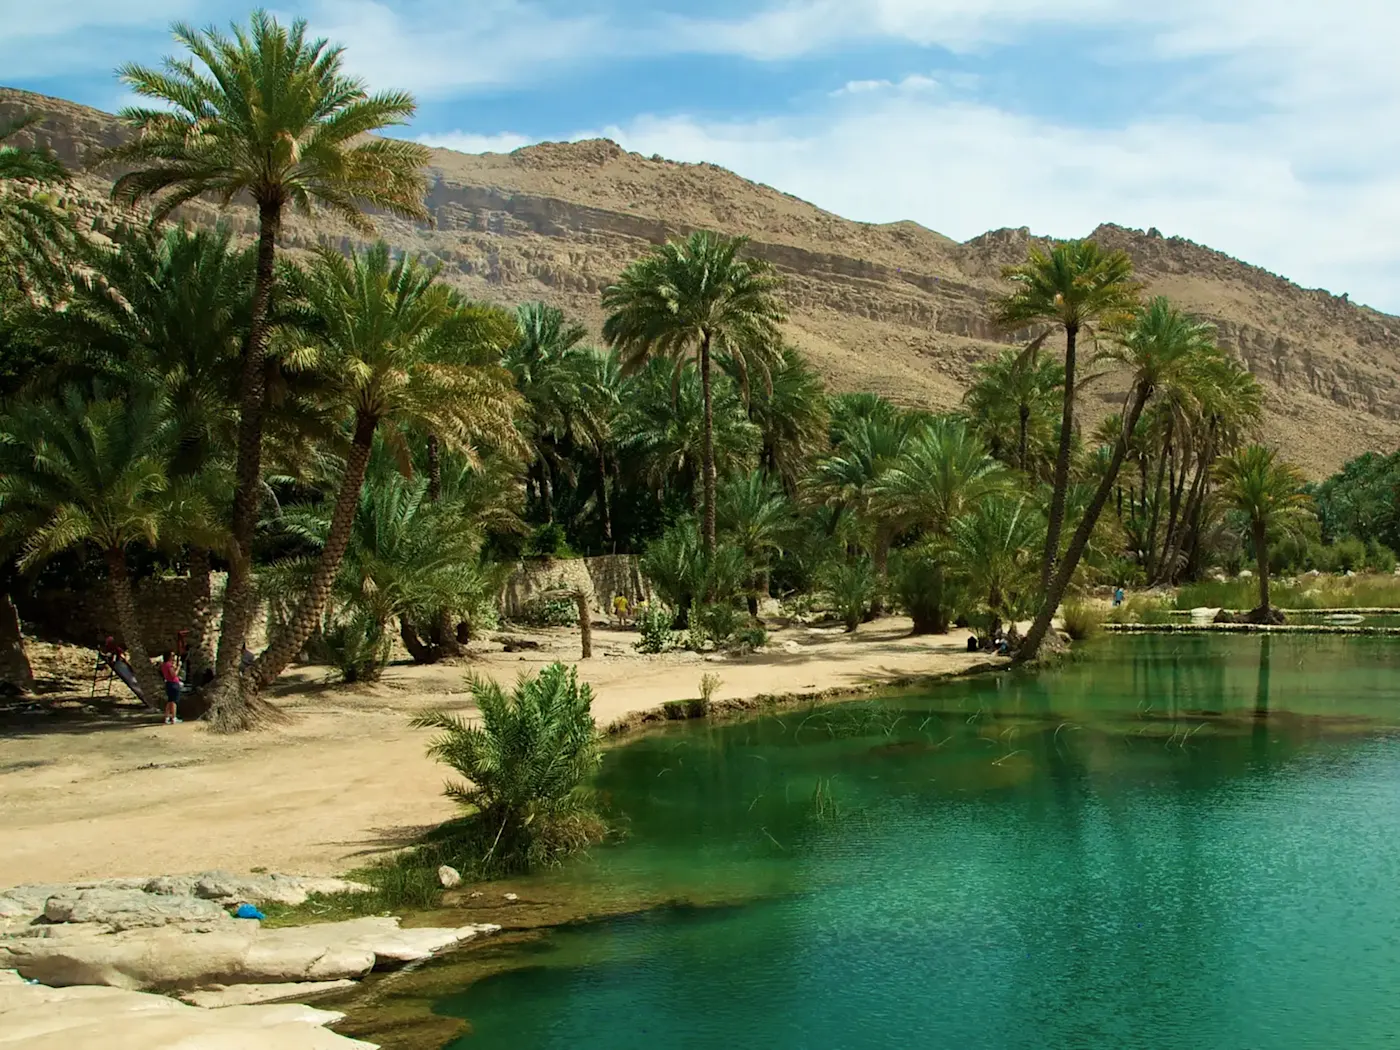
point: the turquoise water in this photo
(1179, 842)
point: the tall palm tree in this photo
(661, 427)
(546, 361)
(80, 471)
(267, 113)
(850, 479)
(695, 299)
(791, 413)
(36, 233)
(1162, 346)
(399, 350)
(1010, 404)
(1269, 493)
(600, 412)
(167, 310)
(756, 516)
(1078, 287)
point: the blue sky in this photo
(1266, 128)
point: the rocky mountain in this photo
(893, 308)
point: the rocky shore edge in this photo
(163, 962)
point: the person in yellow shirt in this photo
(620, 608)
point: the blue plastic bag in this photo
(247, 911)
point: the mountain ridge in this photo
(895, 308)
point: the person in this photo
(1117, 597)
(620, 608)
(246, 658)
(973, 644)
(172, 687)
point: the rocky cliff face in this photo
(893, 308)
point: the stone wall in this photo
(164, 604)
(600, 579)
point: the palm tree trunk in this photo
(1188, 513)
(124, 605)
(1150, 565)
(585, 625)
(1261, 561)
(284, 650)
(709, 445)
(421, 652)
(1080, 539)
(233, 706)
(15, 670)
(1024, 412)
(880, 557)
(547, 489)
(607, 495)
(1061, 482)
(434, 469)
(202, 605)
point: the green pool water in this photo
(1175, 842)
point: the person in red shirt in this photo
(172, 686)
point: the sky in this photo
(1269, 129)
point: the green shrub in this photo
(751, 637)
(850, 587)
(654, 625)
(548, 541)
(356, 646)
(1379, 557)
(923, 590)
(718, 621)
(550, 611)
(525, 768)
(1142, 609)
(1081, 619)
(1349, 555)
(1123, 572)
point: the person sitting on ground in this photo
(172, 687)
(620, 608)
(246, 658)
(973, 644)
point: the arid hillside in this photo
(893, 308)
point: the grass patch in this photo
(1376, 591)
(1142, 609)
(1081, 619)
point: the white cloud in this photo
(467, 142)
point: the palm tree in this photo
(525, 767)
(755, 516)
(1162, 346)
(696, 299)
(398, 350)
(546, 360)
(36, 234)
(1269, 493)
(1079, 287)
(790, 412)
(408, 557)
(600, 412)
(270, 114)
(1010, 404)
(167, 311)
(850, 479)
(661, 427)
(80, 471)
(942, 470)
(994, 549)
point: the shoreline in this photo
(88, 795)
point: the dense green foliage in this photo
(525, 769)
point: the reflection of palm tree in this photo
(1261, 700)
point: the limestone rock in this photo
(13, 909)
(124, 909)
(448, 876)
(38, 1018)
(253, 994)
(176, 958)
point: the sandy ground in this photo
(117, 793)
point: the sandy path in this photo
(348, 777)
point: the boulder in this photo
(448, 876)
(125, 909)
(175, 958)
